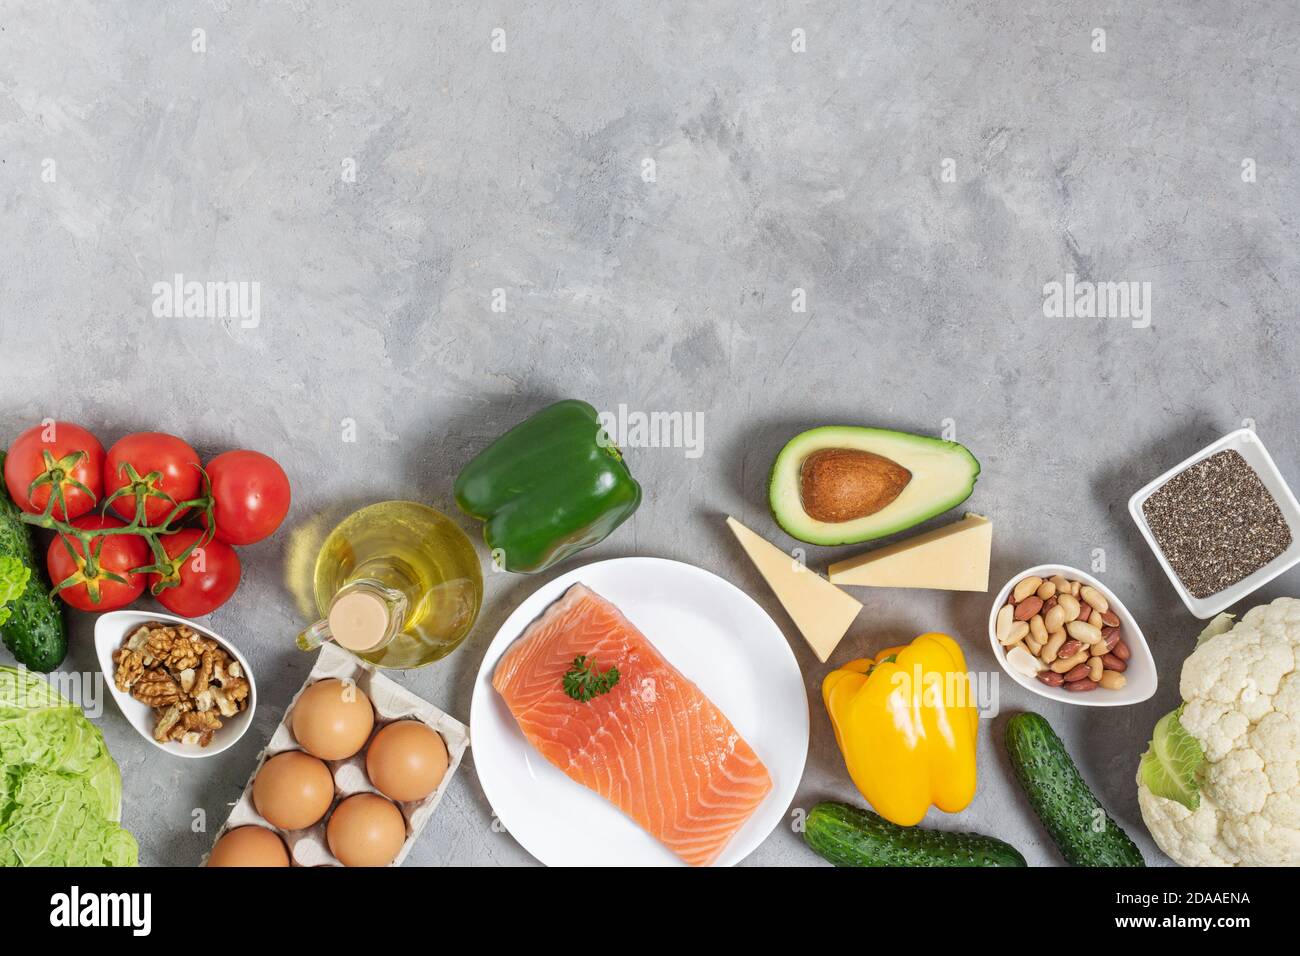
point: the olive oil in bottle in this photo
(398, 584)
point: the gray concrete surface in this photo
(774, 170)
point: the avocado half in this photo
(841, 484)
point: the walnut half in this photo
(156, 688)
(130, 668)
(195, 728)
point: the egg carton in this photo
(391, 702)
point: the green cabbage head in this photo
(60, 791)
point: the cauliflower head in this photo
(1238, 803)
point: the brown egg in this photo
(249, 846)
(333, 719)
(407, 760)
(366, 830)
(293, 790)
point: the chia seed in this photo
(1216, 523)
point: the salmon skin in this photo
(653, 745)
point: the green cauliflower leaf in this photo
(1171, 762)
(1222, 624)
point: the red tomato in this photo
(78, 468)
(208, 576)
(250, 494)
(177, 464)
(118, 554)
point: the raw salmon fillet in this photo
(654, 745)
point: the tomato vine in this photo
(141, 488)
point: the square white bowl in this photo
(1248, 445)
(1141, 670)
(112, 628)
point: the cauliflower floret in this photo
(1189, 838)
(1242, 703)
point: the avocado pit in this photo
(844, 484)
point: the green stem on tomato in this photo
(87, 563)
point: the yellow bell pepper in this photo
(906, 723)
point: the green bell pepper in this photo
(548, 488)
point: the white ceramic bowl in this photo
(1245, 442)
(112, 628)
(1141, 672)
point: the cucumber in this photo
(34, 630)
(1081, 828)
(847, 836)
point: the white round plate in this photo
(712, 632)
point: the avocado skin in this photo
(786, 505)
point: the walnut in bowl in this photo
(179, 684)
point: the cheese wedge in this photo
(952, 558)
(820, 610)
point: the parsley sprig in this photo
(584, 681)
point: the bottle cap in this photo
(358, 620)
